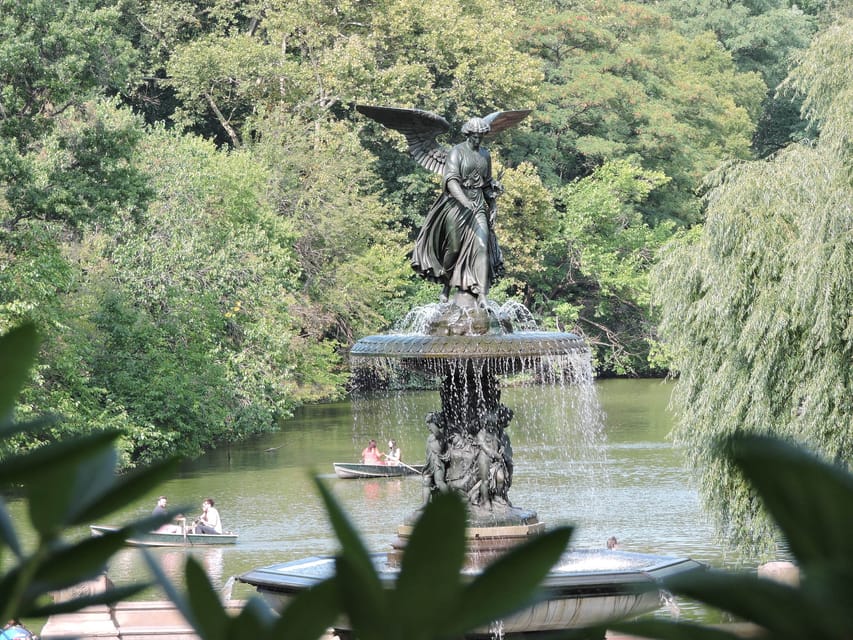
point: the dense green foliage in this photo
(198, 221)
(755, 306)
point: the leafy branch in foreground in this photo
(431, 598)
(66, 484)
(811, 502)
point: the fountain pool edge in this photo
(571, 599)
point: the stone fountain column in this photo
(468, 444)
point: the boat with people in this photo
(350, 470)
(184, 537)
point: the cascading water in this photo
(465, 352)
(472, 433)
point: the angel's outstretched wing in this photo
(500, 120)
(421, 129)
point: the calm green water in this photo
(623, 479)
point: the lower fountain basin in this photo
(586, 588)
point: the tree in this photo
(592, 268)
(762, 36)
(622, 83)
(350, 251)
(200, 340)
(755, 306)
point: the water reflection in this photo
(129, 564)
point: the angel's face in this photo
(474, 140)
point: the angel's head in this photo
(475, 125)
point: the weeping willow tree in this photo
(756, 307)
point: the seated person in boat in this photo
(394, 455)
(159, 510)
(371, 454)
(209, 521)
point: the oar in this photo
(408, 467)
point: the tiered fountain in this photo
(467, 344)
(469, 451)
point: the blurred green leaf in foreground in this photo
(811, 501)
(66, 484)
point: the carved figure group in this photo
(474, 459)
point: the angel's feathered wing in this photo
(421, 128)
(501, 120)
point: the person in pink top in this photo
(372, 455)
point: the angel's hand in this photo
(465, 202)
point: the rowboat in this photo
(361, 470)
(164, 539)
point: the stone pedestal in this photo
(483, 544)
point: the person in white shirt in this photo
(209, 521)
(394, 455)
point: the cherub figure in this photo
(436, 456)
(456, 245)
(491, 465)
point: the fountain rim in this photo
(520, 344)
(285, 577)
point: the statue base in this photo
(489, 534)
(463, 316)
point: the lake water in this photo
(623, 480)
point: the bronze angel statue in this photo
(456, 245)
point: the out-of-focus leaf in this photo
(829, 589)
(18, 348)
(163, 581)
(429, 582)
(351, 544)
(811, 501)
(310, 613)
(39, 424)
(669, 630)
(360, 591)
(80, 561)
(488, 597)
(365, 608)
(148, 523)
(100, 473)
(125, 489)
(7, 530)
(254, 621)
(30, 467)
(210, 618)
(110, 596)
(779, 608)
(64, 485)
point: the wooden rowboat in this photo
(361, 470)
(162, 539)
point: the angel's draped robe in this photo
(457, 246)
